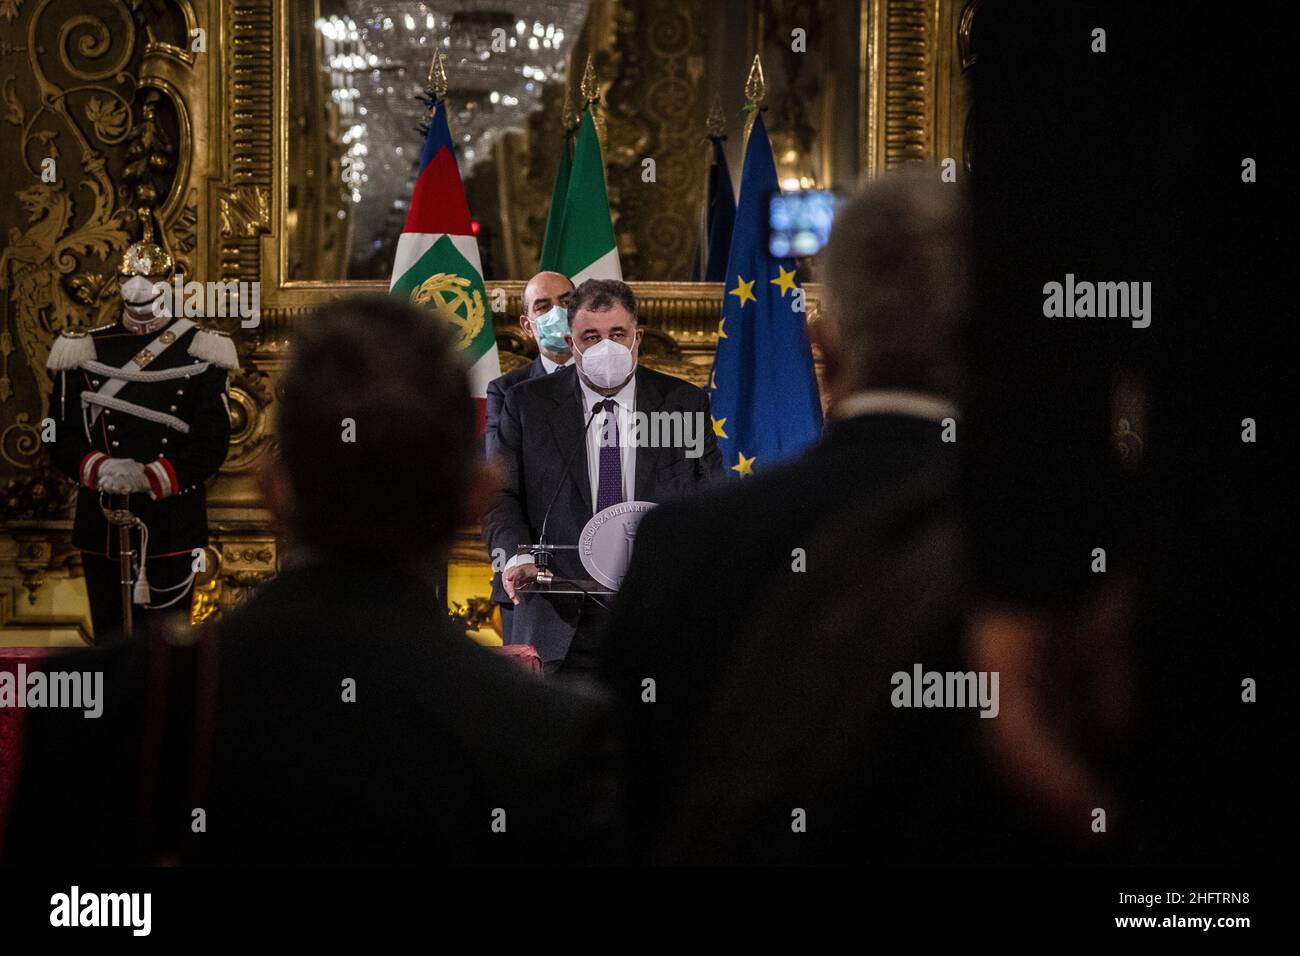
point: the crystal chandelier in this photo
(499, 55)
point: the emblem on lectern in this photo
(605, 545)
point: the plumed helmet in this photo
(146, 257)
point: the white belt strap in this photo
(131, 408)
(137, 363)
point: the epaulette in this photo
(211, 345)
(69, 350)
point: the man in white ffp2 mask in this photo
(605, 350)
(548, 480)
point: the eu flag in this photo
(710, 261)
(765, 404)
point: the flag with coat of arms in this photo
(437, 261)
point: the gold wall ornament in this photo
(250, 562)
(66, 108)
(245, 211)
(151, 158)
(655, 80)
(916, 86)
(250, 399)
(205, 601)
(965, 33)
(34, 561)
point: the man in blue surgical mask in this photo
(545, 320)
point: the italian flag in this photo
(584, 247)
(437, 263)
(550, 257)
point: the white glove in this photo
(121, 476)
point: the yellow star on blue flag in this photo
(764, 388)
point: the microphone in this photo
(541, 556)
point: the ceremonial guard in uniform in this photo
(142, 421)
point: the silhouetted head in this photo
(377, 432)
(896, 272)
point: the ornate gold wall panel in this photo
(915, 88)
(131, 114)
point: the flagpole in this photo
(755, 94)
(436, 90)
(716, 123)
(568, 118)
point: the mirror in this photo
(349, 111)
(356, 72)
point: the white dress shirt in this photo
(620, 428)
(884, 401)
(626, 399)
(550, 366)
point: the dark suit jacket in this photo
(540, 427)
(496, 397)
(496, 394)
(701, 565)
(442, 735)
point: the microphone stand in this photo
(542, 554)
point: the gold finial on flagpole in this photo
(717, 120)
(755, 93)
(590, 88)
(591, 100)
(755, 85)
(568, 118)
(437, 80)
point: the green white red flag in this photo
(437, 262)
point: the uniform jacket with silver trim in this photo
(180, 451)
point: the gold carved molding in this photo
(916, 86)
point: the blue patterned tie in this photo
(609, 488)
